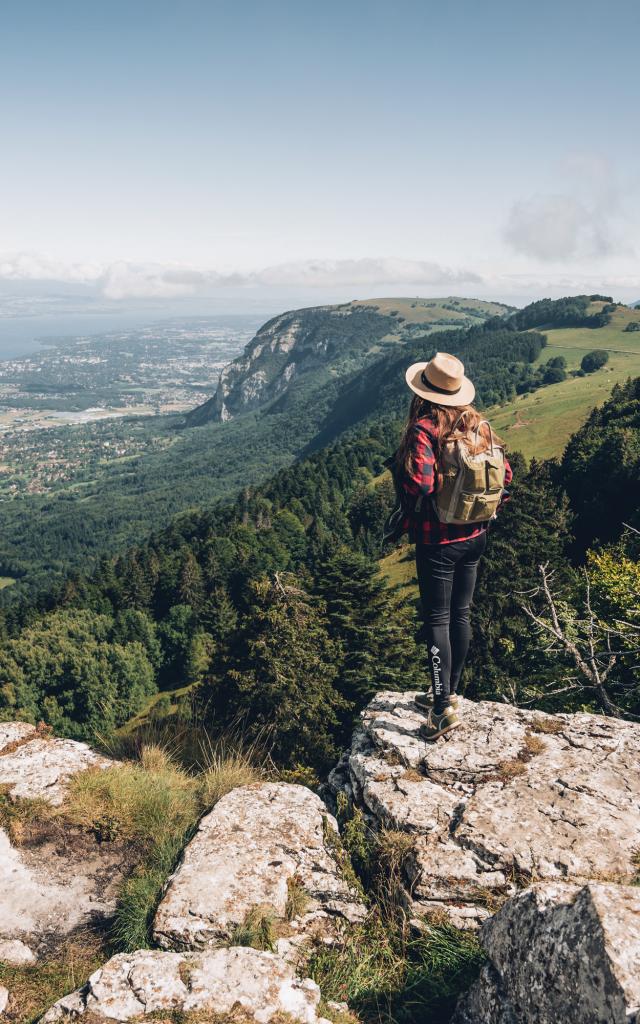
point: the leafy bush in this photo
(594, 360)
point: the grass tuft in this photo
(533, 744)
(511, 769)
(35, 987)
(19, 817)
(226, 765)
(134, 802)
(549, 725)
(298, 899)
(386, 979)
(258, 930)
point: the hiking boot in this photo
(424, 701)
(438, 725)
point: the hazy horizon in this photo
(279, 155)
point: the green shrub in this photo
(389, 980)
(594, 360)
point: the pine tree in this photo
(375, 630)
(532, 528)
(279, 676)
(190, 584)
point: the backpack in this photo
(471, 485)
(397, 522)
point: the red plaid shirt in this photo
(423, 525)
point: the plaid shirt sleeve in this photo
(421, 478)
(508, 477)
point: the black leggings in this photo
(447, 578)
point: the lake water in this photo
(20, 336)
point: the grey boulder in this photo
(560, 953)
(510, 797)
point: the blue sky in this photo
(237, 148)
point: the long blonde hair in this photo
(445, 418)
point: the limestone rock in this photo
(246, 853)
(134, 985)
(46, 893)
(15, 952)
(33, 765)
(560, 952)
(58, 880)
(511, 795)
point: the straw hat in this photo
(441, 380)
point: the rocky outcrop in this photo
(270, 846)
(138, 985)
(54, 881)
(512, 796)
(289, 347)
(33, 765)
(560, 953)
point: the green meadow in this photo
(541, 422)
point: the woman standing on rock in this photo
(452, 469)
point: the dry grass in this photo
(298, 899)
(134, 801)
(533, 745)
(225, 765)
(34, 988)
(511, 769)
(635, 864)
(19, 817)
(549, 725)
(259, 930)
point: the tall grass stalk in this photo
(154, 804)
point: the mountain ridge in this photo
(318, 342)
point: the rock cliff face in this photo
(511, 797)
(290, 347)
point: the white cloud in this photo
(584, 220)
(30, 266)
(362, 272)
(123, 280)
(547, 227)
(133, 281)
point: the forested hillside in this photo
(272, 610)
(348, 374)
(43, 537)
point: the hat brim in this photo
(463, 396)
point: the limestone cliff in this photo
(291, 347)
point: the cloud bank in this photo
(124, 280)
(585, 220)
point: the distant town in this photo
(81, 403)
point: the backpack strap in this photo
(477, 433)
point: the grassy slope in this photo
(541, 422)
(550, 415)
(428, 311)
